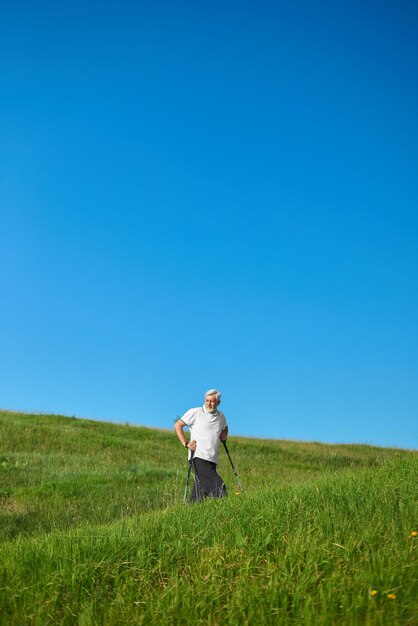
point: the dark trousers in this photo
(207, 482)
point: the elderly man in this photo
(207, 428)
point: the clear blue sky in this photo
(212, 195)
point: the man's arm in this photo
(224, 434)
(178, 427)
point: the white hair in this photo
(214, 392)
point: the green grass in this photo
(94, 532)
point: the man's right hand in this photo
(192, 445)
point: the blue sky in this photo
(220, 195)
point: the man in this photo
(207, 428)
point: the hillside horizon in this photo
(231, 434)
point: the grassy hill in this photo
(93, 530)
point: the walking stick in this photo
(232, 465)
(187, 480)
(199, 489)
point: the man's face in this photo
(211, 403)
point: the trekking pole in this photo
(187, 480)
(199, 490)
(232, 465)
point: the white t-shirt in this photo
(205, 429)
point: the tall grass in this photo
(316, 531)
